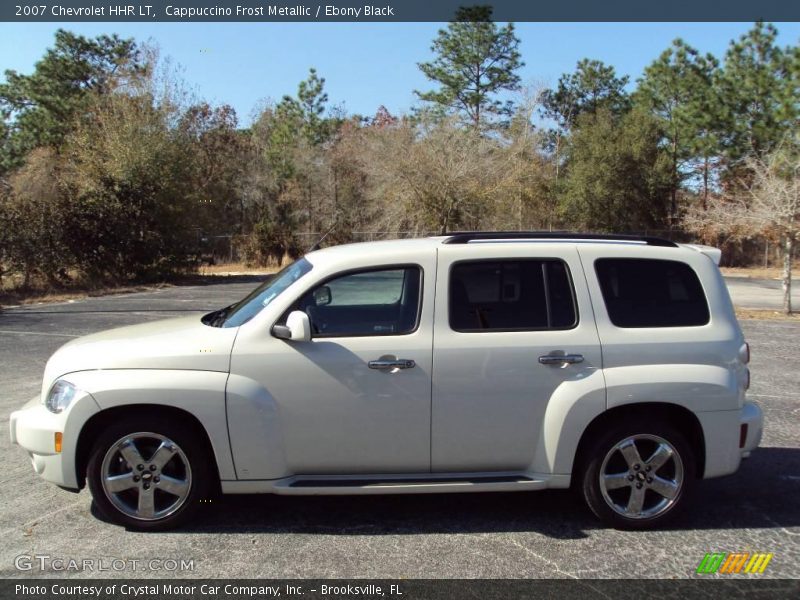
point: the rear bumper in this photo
(33, 428)
(753, 419)
(722, 431)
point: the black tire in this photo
(647, 436)
(187, 448)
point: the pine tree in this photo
(678, 89)
(475, 60)
(759, 88)
(618, 178)
(593, 85)
(312, 100)
(39, 108)
(294, 120)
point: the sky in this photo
(365, 65)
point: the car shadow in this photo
(759, 496)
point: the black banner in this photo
(414, 589)
(396, 10)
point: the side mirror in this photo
(297, 328)
(322, 296)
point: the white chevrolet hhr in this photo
(473, 362)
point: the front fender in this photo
(200, 393)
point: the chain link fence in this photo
(751, 252)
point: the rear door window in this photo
(511, 295)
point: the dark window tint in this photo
(651, 293)
(381, 302)
(511, 294)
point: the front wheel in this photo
(637, 474)
(148, 476)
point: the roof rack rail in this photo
(464, 237)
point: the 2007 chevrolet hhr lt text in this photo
(472, 362)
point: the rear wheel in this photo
(147, 475)
(637, 474)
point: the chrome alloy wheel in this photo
(146, 476)
(641, 488)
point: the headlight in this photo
(60, 395)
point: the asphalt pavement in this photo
(764, 294)
(509, 535)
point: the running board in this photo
(345, 486)
(337, 485)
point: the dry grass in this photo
(11, 294)
(758, 272)
(17, 297)
(236, 268)
(766, 315)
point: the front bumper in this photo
(33, 428)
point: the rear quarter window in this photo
(651, 293)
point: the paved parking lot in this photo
(764, 294)
(541, 534)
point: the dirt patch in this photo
(236, 269)
(207, 274)
(17, 297)
(766, 315)
(758, 272)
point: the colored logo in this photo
(734, 562)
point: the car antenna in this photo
(316, 246)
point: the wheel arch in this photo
(92, 428)
(676, 415)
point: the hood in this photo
(181, 344)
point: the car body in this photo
(470, 362)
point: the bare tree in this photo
(524, 191)
(769, 206)
(434, 176)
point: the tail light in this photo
(744, 353)
(744, 357)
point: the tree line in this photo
(110, 171)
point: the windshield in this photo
(243, 311)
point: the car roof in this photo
(392, 248)
(386, 248)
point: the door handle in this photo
(561, 359)
(394, 363)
